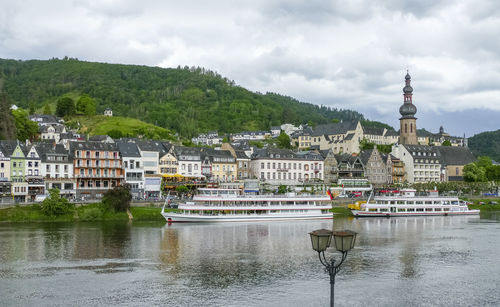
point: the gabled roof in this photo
(93, 146)
(373, 131)
(332, 129)
(454, 155)
(365, 155)
(128, 149)
(274, 153)
(45, 149)
(240, 154)
(8, 146)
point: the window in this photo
(262, 165)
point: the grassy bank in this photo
(341, 211)
(90, 212)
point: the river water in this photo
(414, 261)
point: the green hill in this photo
(486, 144)
(185, 100)
(117, 127)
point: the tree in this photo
(118, 198)
(484, 161)
(86, 105)
(8, 129)
(47, 110)
(182, 189)
(26, 129)
(474, 173)
(55, 204)
(364, 144)
(283, 140)
(446, 143)
(65, 106)
(282, 189)
(115, 134)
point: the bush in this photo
(55, 204)
(91, 214)
(118, 198)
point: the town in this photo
(83, 167)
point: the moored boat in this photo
(407, 204)
(232, 205)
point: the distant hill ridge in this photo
(183, 99)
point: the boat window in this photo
(372, 209)
(410, 210)
(383, 209)
(401, 210)
(428, 202)
(419, 202)
(437, 209)
(446, 209)
(420, 209)
(401, 202)
(428, 209)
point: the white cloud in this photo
(349, 55)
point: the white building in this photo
(132, 165)
(422, 163)
(57, 169)
(108, 112)
(281, 166)
(189, 161)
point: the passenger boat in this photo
(233, 205)
(407, 204)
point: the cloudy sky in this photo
(344, 54)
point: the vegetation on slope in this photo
(186, 100)
(486, 144)
(117, 127)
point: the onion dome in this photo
(407, 77)
(408, 89)
(408, 110)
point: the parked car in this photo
(493, 202)
(481, 202)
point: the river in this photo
(414, 261)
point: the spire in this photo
(408, 110)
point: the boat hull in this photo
(358, 213)
(176, 217)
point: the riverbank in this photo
(89, 212)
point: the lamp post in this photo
(344, 241)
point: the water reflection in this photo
(396, 262)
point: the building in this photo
(208, 139)
(375, 167)
(19, 186)
(282, 166)
(132, 166)
(408, 121)
(453, 160)
(108, 112)
(242, 160)
(5, 185)
(350, 166)
(51, 132)
(57, 169)
(422, 162)
(97, 168)
(189, 159)
(33, 172)
(331, 169)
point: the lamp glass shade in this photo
(320, 239)
(344, 240)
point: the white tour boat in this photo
(232, 205)
(407, 204)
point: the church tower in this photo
(408, 121)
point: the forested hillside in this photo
(486, 144)
(185, 100)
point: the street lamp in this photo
(344, 241)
